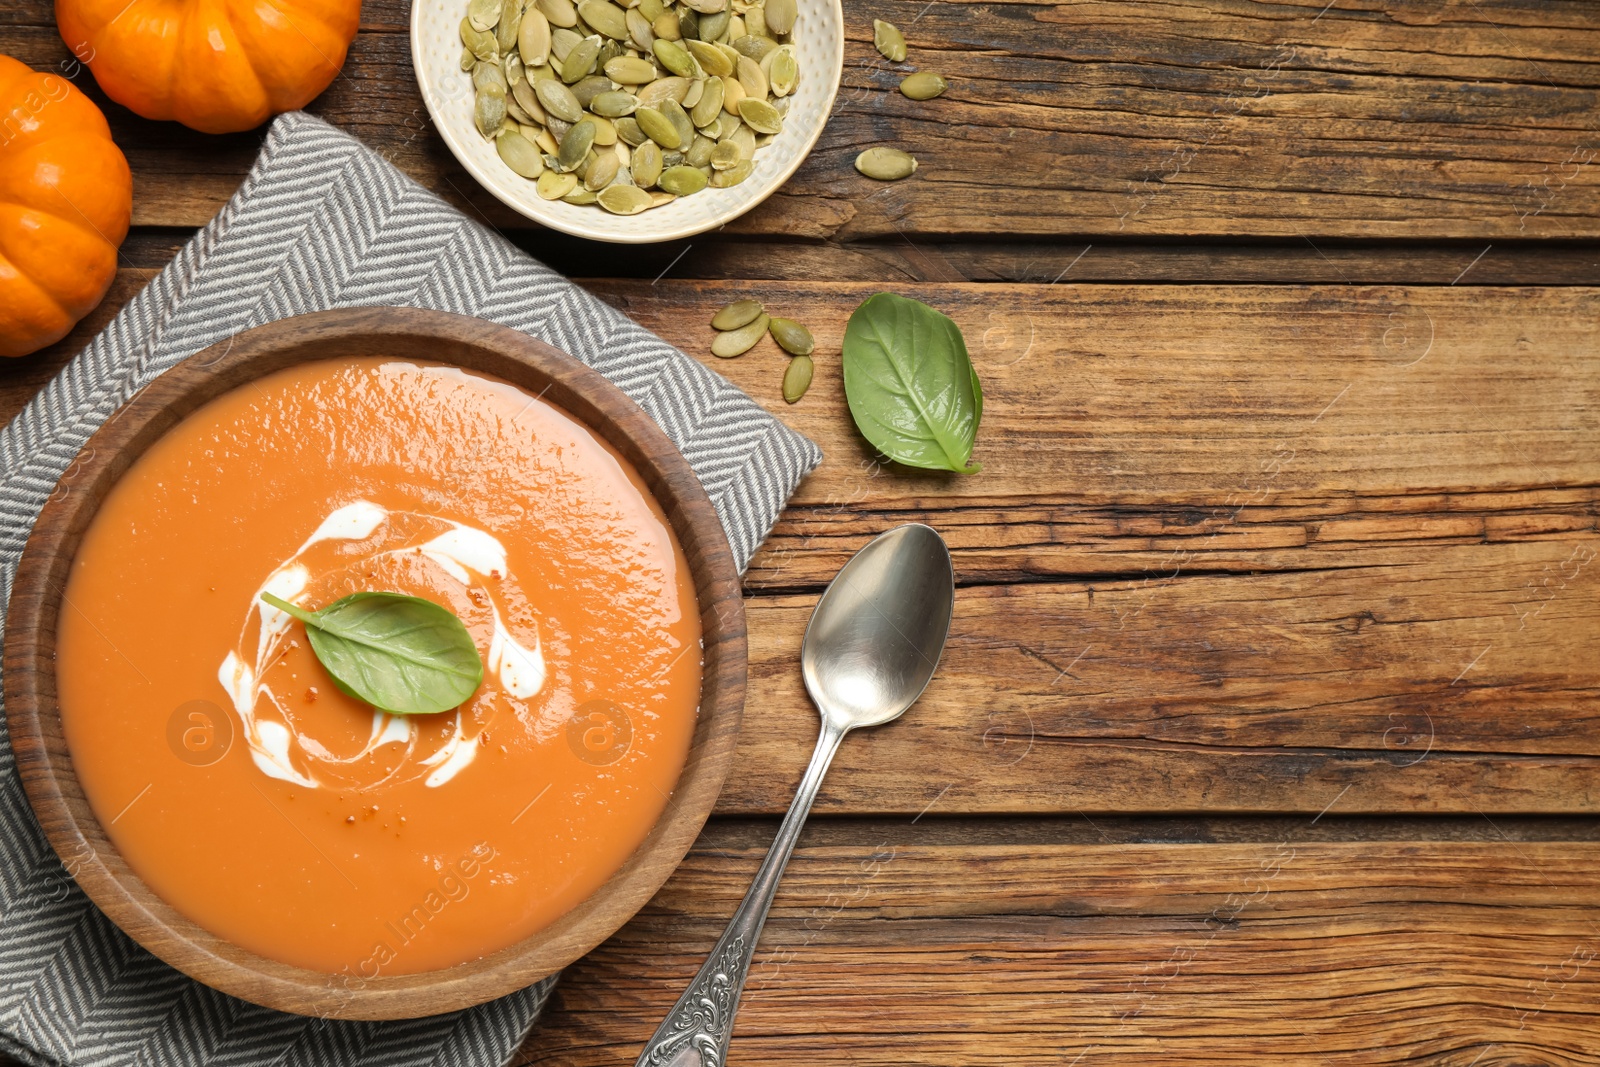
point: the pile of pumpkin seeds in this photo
(744, 322)
(630, 105)
(891, 164)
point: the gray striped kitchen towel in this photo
(320, 222)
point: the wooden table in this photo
(1268, 731)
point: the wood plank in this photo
(1090, 118)
(1286, 951)
(1392, 615)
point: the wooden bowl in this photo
(36, 601)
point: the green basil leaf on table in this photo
(401, 654)
(910, 384)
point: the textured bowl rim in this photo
(532, 208)
(45, 765)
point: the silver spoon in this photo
(869, 651)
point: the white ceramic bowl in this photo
(818, 41)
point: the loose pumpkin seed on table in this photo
(797, 379)
(889, 41)
(630, 104)
(924, 85)
(886, 164)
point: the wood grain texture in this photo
(1284, 951)
(1097, 117)
(44, 762)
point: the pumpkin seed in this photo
(797, 378)
(528, 100)
(745, 138)
(792, 337)
(558, 100)
(708, 108)
(699, 153)
(581, 196)
(605, 134)
(666, 28)
(780, 16)
(886, 164)
(712, 27)
(737, 314)
(514, 113)
(691, 96)
(575, 145)
(483, 15)
(736, 27)
(628, 130)
(488, 76)
(624, 154)
(505, 33)
(674, 58)
(681, 181)
(680, 121)
(614, 105)
(580, 62)
(520, 154)
(712, 61)
(559, 12)
(606, 17)
(602, 172)
(652, 9)
(512, 64)
(688, 23)
(671, 88)
(889, 41)
(639, 32)
(753, 78)
(706, 7)
(737, 342)
(725, 155)
(558, 127)
(762, 116)
(547, 140)
(658, 127)
(658, 198)
(784, 72)
(468, 60)
(591, 87)
(754, 47)
(646, 164)
(624, 199)
(726, 179)
(562, 42)
(732, 95)
(755, 22)
(480, 42)
(553, 185)
(489, 111)
(924, 85)
(533, 38)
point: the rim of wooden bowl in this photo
(45, 765)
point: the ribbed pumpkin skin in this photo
(218, 66)
(65, 201)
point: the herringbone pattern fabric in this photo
(321, 222)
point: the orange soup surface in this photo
(297, 822)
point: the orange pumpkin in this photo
(65, 201)
(216, 65)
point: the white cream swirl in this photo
(467, 555)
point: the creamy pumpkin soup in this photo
(240, 776)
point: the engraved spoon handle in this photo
(702, 1020)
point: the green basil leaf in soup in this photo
(401, 654)
(910, 384)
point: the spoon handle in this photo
(702, 1020)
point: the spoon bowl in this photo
(875, 637)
